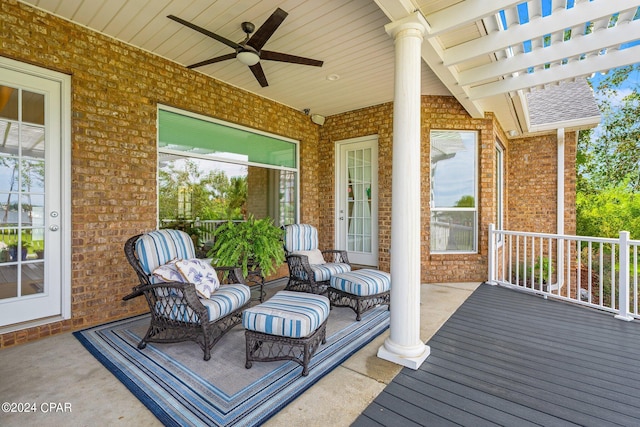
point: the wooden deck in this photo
(514, 359)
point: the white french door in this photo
(357, 199)
(32, 215)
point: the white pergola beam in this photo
(556, 52)
(594, 64)
(432, 55)
(464, 13)
(557, 21)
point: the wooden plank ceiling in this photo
(487, 54)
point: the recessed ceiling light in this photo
(333, 77)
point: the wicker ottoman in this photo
(288, 326)
(360, 290)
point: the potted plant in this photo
(254, 244)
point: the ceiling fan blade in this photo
(204, 31)
(285, 57)
(267, 29)
(213, 60)
(259, 74)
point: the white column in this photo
(404, 345)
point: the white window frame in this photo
(474, 209)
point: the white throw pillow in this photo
(315, 256)
(169, 272)
(201, 274)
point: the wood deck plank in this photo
(511, 358)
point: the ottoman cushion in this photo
(362, 282)
(323, 272)
(288, 314)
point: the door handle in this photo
(54, 228)
(341, 218)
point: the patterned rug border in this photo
(260, 406)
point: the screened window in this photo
(210, 171)
(453, 191)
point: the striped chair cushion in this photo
(300, 237)
(288, 314)
(362, 282)
(161, 246)
(323, 272)
(225, 300)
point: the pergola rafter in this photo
(486, 49)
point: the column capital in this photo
(415, 21)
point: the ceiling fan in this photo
(249, 51)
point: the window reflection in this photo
(196, 192)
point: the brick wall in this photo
(532, 183)
(115, 92)
(442, 113)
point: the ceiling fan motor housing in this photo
(248, 27)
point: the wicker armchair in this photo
(178, 312)
(310, 269)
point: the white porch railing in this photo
(597, 272)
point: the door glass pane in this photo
(33, 107)
(22, 193)
(359, 200)
(8, 103)
(8, 280)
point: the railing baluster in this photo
(589, 270)
(578, 269)
(635, 280)
(550, 256)
(601, 274)
(613, 276)
(568, 278)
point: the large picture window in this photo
(454, 186)
(210, 172)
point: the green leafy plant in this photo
(540, 271)
(255, 243)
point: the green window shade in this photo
(196, 136)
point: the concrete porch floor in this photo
(69, 387)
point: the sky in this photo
(632, 81)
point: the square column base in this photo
(410, 362)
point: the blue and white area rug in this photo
(180, 388)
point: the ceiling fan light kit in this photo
(248, 58)
(249, 51)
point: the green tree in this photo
(608, 160)
(610, 154)
(605, 212)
